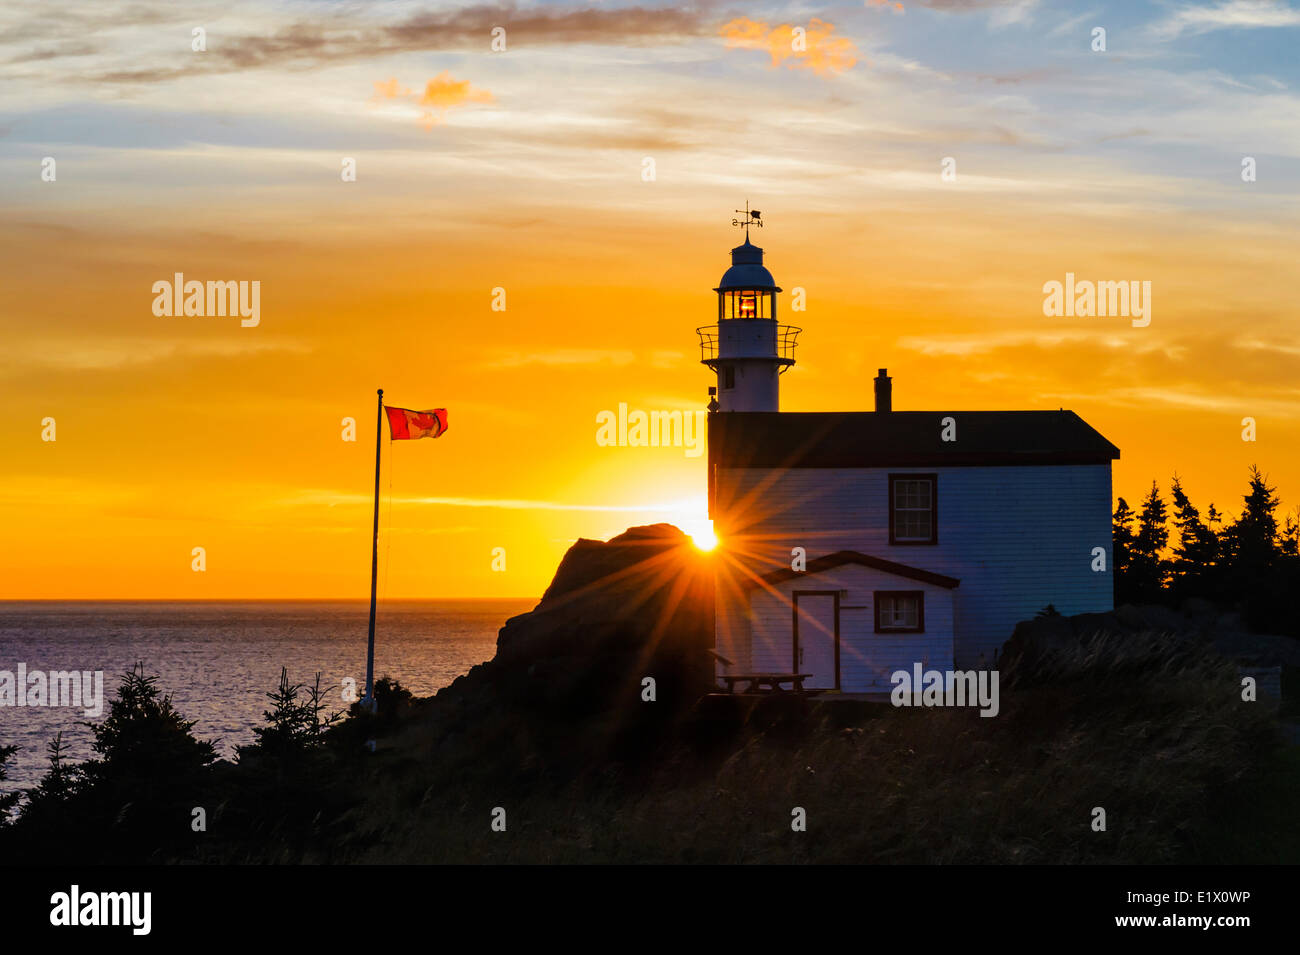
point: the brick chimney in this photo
(884, 392)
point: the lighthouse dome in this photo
(747, 270)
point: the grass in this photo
(1150, 729)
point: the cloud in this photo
(1013, 9)
(328, 39)
(565, 357)
(1228, 15)
(515, 504)
(319, 496)
(814, 47)
(442, 93)
(1039, 74)
(1001, 12)
(1067, 26)
(1131, 370)
(390, 89)
(1134, 133)
(891, 4)
(112, 354)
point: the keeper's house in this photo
(852, 545)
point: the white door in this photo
(816, 620)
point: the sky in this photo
(533, 233)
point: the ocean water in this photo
(219, 660)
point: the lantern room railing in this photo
(756, 339)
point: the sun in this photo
(691, 517)
(700, 530)
(702, 536)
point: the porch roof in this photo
(842, 557)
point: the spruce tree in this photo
(1254, 535)
(57, 787)
(1258, 579)
(1289, 542)
(1122, 552)
(1148, 567)
(1195, 557)
(7, 800)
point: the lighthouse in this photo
(913, 553)
(747, 348)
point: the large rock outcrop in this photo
(565, 691)
(639, 605)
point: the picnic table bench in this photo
(772, 681)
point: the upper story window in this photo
(913, 511)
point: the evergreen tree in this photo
(144, 737)
(1213, 519)
(59, 784)
(317, 707)
(1258, 579)
(1251, 563)
(295, 723)
(1195, 559)
(1254, 535)
(1289, 543)
(149, 771)
(1147, 565)
(1122, 551)
(7, 800)
(288, 721)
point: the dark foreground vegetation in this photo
(557, 739)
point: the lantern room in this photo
(747, 349)
(747, 289)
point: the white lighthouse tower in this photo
(747, 348)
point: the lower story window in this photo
(900, 611)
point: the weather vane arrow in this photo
(752, 218)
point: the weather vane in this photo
(752, 218)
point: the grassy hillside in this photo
(558, 731)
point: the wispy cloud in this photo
(328, 39)
(565, 357)
(518, 504)
(1065, 26)
(105, 354)
(1228, 15)
(1001, 12)
(331, 498)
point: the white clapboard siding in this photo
(1017, 537)
(867, 658)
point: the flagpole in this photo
(369, 701)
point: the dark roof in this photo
(864, 439)
(841, 557)
(747, 271)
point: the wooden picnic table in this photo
(773, 682)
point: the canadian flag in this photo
(404, 424)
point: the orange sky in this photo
(175, 433)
